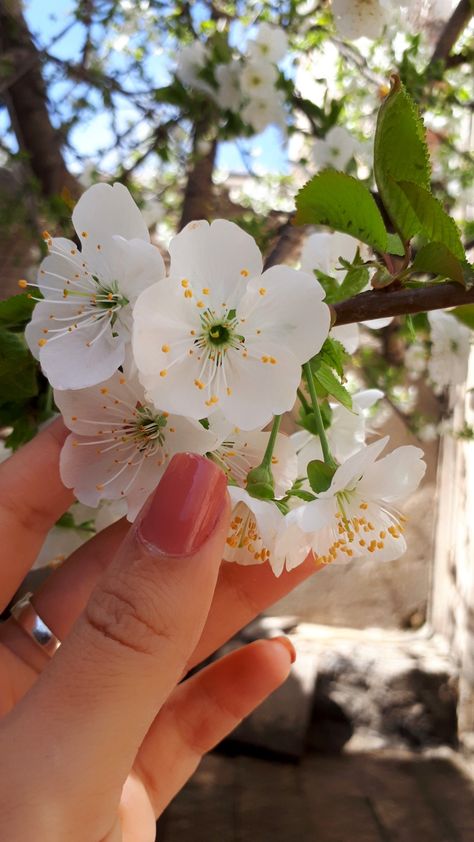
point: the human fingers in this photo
(99, 695)
(32, 498)
(205, 709)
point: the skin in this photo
(96, 741)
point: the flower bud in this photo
(260, 483)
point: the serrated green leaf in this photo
(464, 314)
(438, 260)
(324, 375)
(355, 281)
(340, 201)
(16, 311)
(333, 354)
(329, 285)
(319, 475)
(435, 223)
(400, 153)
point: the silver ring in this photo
(24, 613)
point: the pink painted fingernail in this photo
(287, 644)
(185, 506)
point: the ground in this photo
(361, 797)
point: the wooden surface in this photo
(349, 798)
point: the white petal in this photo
(366, 398)
(376, 324)
(290, 311)
(135, 265)
(394, 476)
(355, 467)
(106, 403)
(348, 336)
(106, 210)
(220, 256)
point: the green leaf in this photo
(400, 154)
(464, 314)
(435, 223)
(438, 260)
(302, 495)
(333, 354)
(343, 203)
(16, 311)
(395, 245)
(329, 285)
(355, 281)
(324, 375)
(17, 368)
(319, 475)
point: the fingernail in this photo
(287, 644)
(186, 505)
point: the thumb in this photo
(98, 697)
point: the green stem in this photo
(267, 456)
(328, 458)
(303, 401)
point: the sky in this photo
(46, 19)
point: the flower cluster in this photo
(245, 85)
(146, 362)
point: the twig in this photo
(452, 30)
(376, 304)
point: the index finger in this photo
(32, 498)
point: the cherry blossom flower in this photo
(80, 330)
(239, 451)
(260, 533)
(416, 359)
(322, 251)
(355, 516)
(265, 110)
(219, 334)
(228, 93)
(449, 356)
(270, 43)
(360, 18)
(120, 445)
(192, 59)
(335, 150)
(258, 78)
(346, 434)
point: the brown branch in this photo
(26, 101)
(376, 304)
(452, 30)
(198, 193)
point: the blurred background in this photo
(225, 109)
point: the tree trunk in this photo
(198, 194)
(24, 92)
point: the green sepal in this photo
(260, 483)
(319, 475)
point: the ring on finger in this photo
(25, 615)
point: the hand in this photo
(96, 741)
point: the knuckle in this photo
(125, 614)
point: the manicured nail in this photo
(287, 644)
(186, 505)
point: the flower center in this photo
(148, 429)
(219, 333)
(108, 296)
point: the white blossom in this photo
(80, 330)
(258, 79)
(219, 334)
(360, 18)
(120, 445)
(335, 150)
(228, 94)
(265, 110)
(355, 516)
(192, 59)
(270, 43)
(415, 359)
(449, 356)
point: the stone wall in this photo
(452, 592)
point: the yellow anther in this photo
(362, 542)
(382, 534)
(99, 246)
(262, 291)
(165, 348)
(200, 304)
(199, 384)
(104, 390)
(275, 460)
(229, 391)
(380, 545)
(205, 291)
(172, 429)
(122, 381)
(265, 359)
(185, 283)
(22, 283)
(192, 332)
(244, 273)
(84, 234)
(42, 342)
(99, 487)
(188, 293)
(273, 360)
(46, 235)
(364, 506)
(163, 372)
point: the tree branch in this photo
(198, 193)
(376, 304)
(452, 30)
